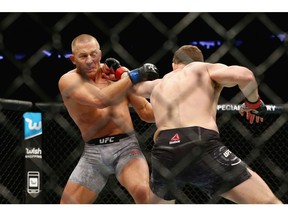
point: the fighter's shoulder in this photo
(216, 65)
(68, 76)
(208, 67)
(195, 65)
(205, 64)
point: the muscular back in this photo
(186, 97)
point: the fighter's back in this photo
(186, 97)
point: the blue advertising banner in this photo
(33, 156)
(32, 124)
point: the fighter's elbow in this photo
(101, 103)
(148, 118)
(249, 76)
(245, 75)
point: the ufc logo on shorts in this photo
(227, 153)
(106, 140)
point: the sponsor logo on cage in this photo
(32, 124)
(236, 107)
(33, 153)
(33, 183)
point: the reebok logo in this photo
(175, 139)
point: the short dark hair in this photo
(187, 54)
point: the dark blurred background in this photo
(34, 47)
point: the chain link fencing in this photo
(34, 60)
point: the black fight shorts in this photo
(195, 156)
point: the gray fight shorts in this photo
(102, 157)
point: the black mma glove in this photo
(253, 110)
(146, 72)
(115, 67)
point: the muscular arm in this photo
(145, 89)
(72, 85)
(138, 100)
(229, 76)
(142, 107)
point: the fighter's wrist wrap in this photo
(119, 71)
(253, 105)
(135, 76)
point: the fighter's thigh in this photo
(134, 172)
(75, 193)
(253, 190)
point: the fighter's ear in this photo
(100, 55)
(72, 58)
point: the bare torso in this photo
(94, 122)
(185, 98)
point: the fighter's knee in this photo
(268, 199)
(274, 200)
(141, 194)
(65, 200)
